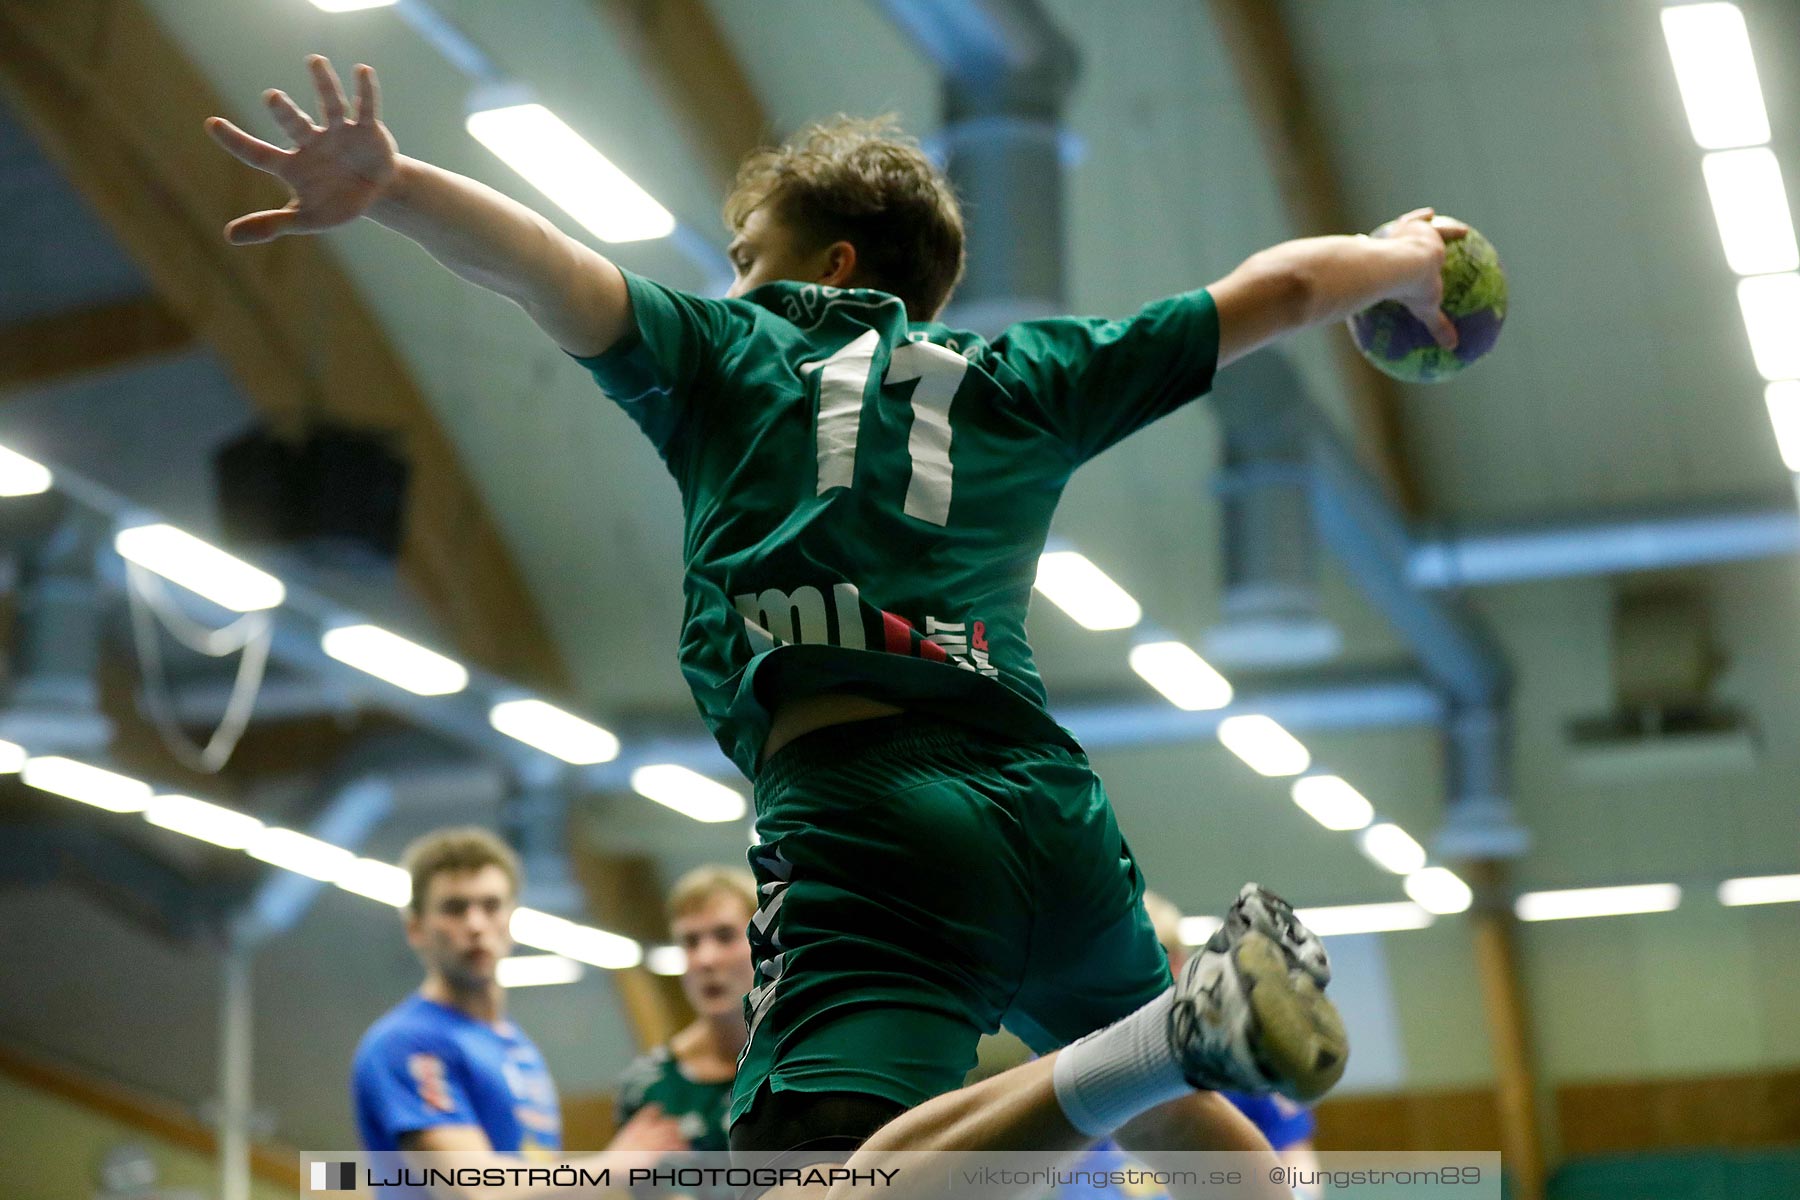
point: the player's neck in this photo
(728, 1033)
(709, 1047)
(485, 1003)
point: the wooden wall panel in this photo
(1760, 1109)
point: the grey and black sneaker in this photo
(1250, 1010)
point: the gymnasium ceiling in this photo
(1624, 377)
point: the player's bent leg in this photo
(795, 1130)
(1019, 1111)
(1016, 1110)
(1196, 1121)
(1165, 1138)
(817, 1126)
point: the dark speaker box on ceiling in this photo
(332, 486)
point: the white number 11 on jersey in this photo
(844, 377)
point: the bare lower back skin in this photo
(804, 714)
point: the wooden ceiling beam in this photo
(1262, 54)
(42, 351)
(623, 895)
(686, 54)
(116, 104)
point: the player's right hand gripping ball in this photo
(1474, 299)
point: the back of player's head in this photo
(466, 848)
(696, 889)
(864, 182)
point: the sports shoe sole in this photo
(1299, 1037)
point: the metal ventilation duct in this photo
(1007, 72)
(1270, 548)
(1607, 543)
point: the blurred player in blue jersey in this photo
(444, 1070)
(866, 492)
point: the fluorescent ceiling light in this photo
(12, 758)
(1783, 399)
(300, 854)
(1391, 847)
(1194, 931)
(1184, 678)
(555, 732)
(666, 960)
(537, 970)
(1364, 918)
(688, 792)
(541, 930)
(201, 819)
(90, 785)
(1716, 72)
(1750, 206)
(391, 657)
(1439, 890)
(338, 6)
(1760, 889)
(1264, 745)
(383, 882)
(583, 943)
(560, 163)
(602, 949)
(1332, 802)
(1597, 902)
(19, 476)
(1771, 305)
(182, 558)
(1075, 585)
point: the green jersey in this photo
(701, 1109)
(866, 497)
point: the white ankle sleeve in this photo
(1110, 1076)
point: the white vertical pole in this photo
(234, 1071)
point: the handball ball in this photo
(1474, 299)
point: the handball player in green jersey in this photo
(689, 1078)
(866, 493)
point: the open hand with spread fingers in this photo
(336, 171)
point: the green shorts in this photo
(922, 883)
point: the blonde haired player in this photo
(690, 1078)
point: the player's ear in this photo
(840, 265)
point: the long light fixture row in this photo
(233, 584)
(1564, 905)
(1094, 601)
(210, 572)
(303, 854)
(1715, 70)
(545, 151)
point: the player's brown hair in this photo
(701, 884)
(864, 182)
(466, 848)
